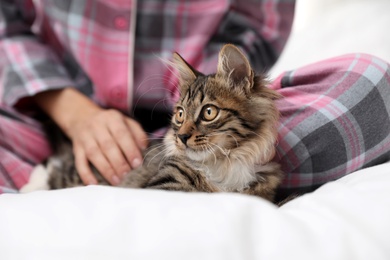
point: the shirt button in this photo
(121, 22)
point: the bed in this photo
(344, 219)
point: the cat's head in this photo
(227, 114)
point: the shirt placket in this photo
(132, 28)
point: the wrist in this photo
(67, 107)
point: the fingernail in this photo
(136, 163)
(143, 147)
(124, 174)
(115, 180)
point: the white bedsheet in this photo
(346, 219)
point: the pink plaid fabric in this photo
(335, 119)
(112, 51)
(23, 144)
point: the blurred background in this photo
(327, 28)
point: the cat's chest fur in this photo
(229, 174)
(234, 177)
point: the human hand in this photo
(109, 140)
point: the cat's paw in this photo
(38, 180)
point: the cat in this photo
(222, 137)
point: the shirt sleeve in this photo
(260, 28)
(27, 65)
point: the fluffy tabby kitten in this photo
(221, 138)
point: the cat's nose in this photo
(184, 138)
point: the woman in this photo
(93, 67)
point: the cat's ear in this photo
(187, 74)
(235, 67)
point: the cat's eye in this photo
(209, 112)
(179, 116)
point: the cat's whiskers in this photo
(164, 157)
(252, 132)
(224, 133)
(161, 101)
(225, 153)
(154, 138)
(203, 149)
(157, 86)
(155, 148)
(240, 161)
(169, 66)
(157, 77)
(235, 139)
(213, 152)
(147, 92)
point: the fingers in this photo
(138, 133)
(134, 143)
(113, 150)
(82, 166)
(112, 143)
(91, 152)
(128, 147)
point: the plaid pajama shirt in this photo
(111, 51)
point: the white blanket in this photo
(345, 219)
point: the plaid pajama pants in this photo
(335, 119)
